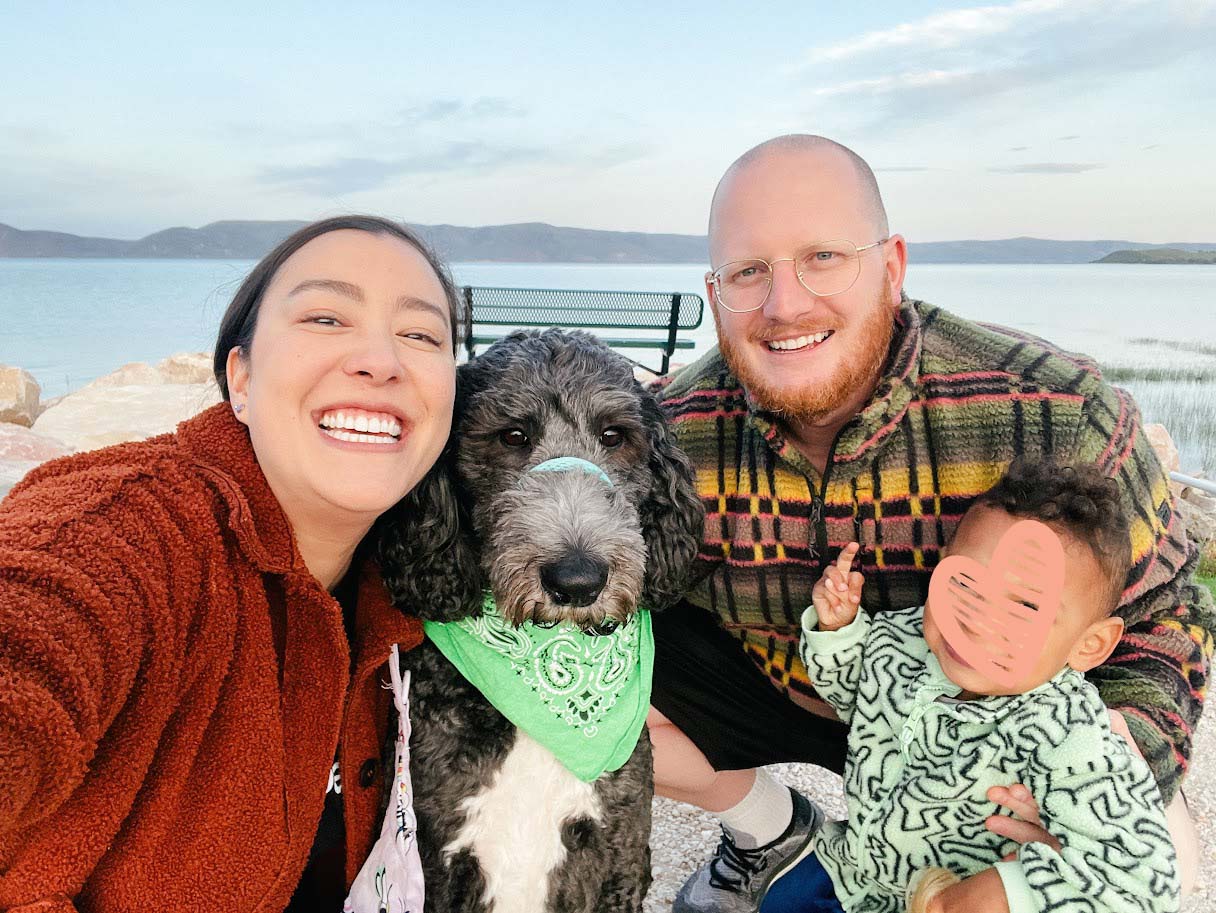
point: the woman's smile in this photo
(368, 427)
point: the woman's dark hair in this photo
(241, 318)
(1078, 499)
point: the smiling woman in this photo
(353, 328)
(193, 635)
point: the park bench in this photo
(653, 319)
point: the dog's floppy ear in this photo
(425, 549)
(672, 515)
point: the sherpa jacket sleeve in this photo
(1158, 674)
(833, 659)
(1103, 806)
(96, 584)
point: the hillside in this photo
(529, 242)
(1160, 255)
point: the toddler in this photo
(935, 724)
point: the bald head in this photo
(816, 157)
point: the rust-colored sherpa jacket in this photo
(174, 684)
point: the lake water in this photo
(69, 321)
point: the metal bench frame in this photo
(584, 310)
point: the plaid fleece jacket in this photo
(959, 401)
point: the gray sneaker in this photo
(735, 880)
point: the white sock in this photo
(763, 814)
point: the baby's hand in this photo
(837, 595)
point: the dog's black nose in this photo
(574, 580)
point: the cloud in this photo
(946, 30)
(352, 175)
(1018, 148)
(30, 135)
(392, 127)
(357, 174)
(905, 168)
(898, 82)
(1070, 137)
(1049, 168)
(957, 61)
(458, 109)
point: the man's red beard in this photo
(816, 400)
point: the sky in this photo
(1069, 119)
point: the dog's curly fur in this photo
(481, 521)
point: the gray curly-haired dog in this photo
(502, 826)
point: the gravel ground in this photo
(683, 837)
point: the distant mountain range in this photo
(529, 242)
(1160, 255)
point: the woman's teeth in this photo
(361, 427)
(790, 345)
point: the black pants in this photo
(713, 693)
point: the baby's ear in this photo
(1096, 643)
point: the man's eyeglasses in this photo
(825, 268)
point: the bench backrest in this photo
(582, 309)
(668, 312)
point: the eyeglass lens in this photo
(825, 269)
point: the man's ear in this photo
(711, 297)
(237, 369)
(896, 265)
(1096, 643)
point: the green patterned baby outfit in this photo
(583, 696)
(920, 764)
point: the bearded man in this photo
(836, 409)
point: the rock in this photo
(21, 450)
(102, 414)
(20, 443)
(1167, 452)
(19, 394)
(135, 374)
(187, 368)
(183, 368)
(1200, 523)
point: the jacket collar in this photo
(932, 686)
(219, 445)
(863, 436)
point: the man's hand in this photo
(837, 595)
(1025, 826)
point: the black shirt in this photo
(323, 884)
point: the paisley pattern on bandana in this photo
(583, 696)
(579, 677)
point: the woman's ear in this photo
(237, 369)
(1096, 643)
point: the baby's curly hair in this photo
(1077, 499)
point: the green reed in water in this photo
(1183, 402)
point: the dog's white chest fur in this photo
(514, 825)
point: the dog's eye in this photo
(612, 437)
(513, 437)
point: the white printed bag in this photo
(391, 878)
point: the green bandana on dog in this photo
(582, 696)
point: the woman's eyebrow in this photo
(410, 303)
(345, 289)
(352, 291)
